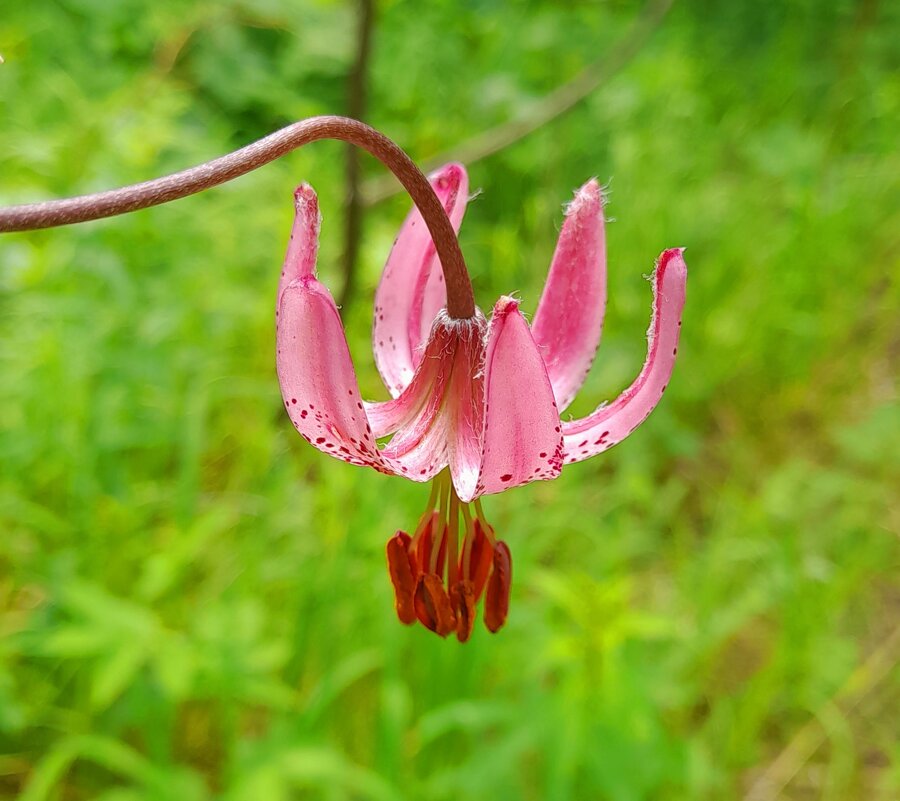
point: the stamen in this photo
(465, 560)
(438, 581)
(453, 540)
(496, 602)
(402, 576)
(438, 544)
(482, 558)
(429, 509)
(423, 548)
(463, 601)
(487, 527)
(433, 607)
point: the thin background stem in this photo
(357, 103)
(535, 116)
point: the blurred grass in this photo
(193, 604)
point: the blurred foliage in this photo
(193, 604)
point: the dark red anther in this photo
(425, 545)
(433, 607)
(402, 577)
(480, 558)
(462, 597)
(496, 602)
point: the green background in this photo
(194, 603)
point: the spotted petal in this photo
(569, 316)
(438, 417)
(412, 286)
(609, 425)
(429, 380)
(521, 440)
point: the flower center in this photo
(439, 578)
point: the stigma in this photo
(451, 561)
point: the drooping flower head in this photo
(475, 404)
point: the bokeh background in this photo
(194, 603)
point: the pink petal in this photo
(439, 414)
(300, 260)
(522, 440)
(465, 410)
(429, 378)
(569, 316)
(415, 411)
(412, 286)
(318, 383)
(609, 425)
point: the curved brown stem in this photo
(47, 214)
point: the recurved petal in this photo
(521, 439)
(569, 316)
(412, 285)
(610, 424)
(303, 247)
(318, 383)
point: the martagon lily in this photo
(475, 404)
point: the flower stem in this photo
(47, 214)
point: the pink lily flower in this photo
(475, 404)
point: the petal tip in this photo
(303, 195)
(450, 176)
(591, 188)
(588, 199)
(672, 260)
(505, 305)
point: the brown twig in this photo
(356, 108)
(543, 111)
(460, 299)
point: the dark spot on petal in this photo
(506, 477)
